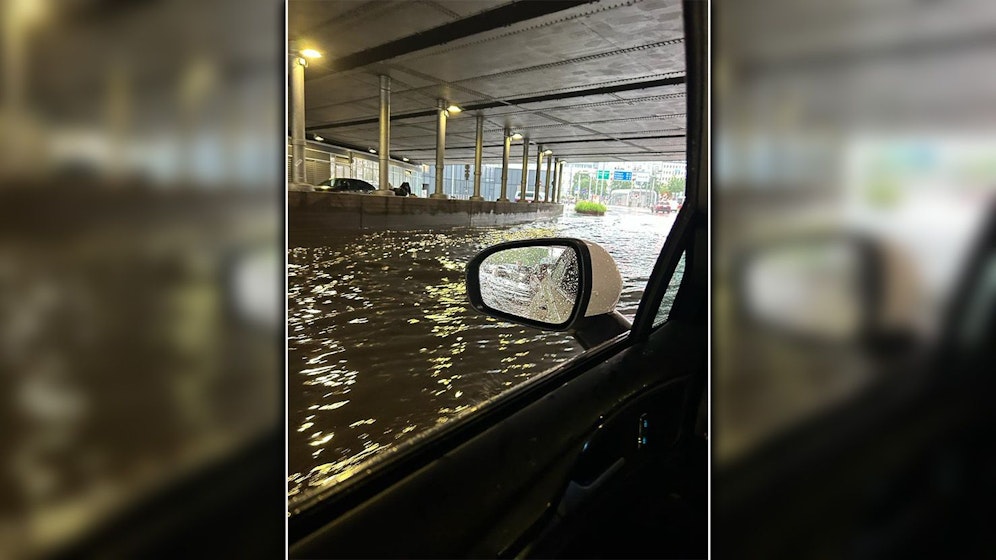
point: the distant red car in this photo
(662, 208)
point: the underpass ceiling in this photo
(592, 81)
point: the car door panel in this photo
(481, 497)
(628, 445)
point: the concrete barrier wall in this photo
(314, 212)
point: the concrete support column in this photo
(553, 184)
(15, 58)
(298, 181)
(478, 148)
(539, 168)
(504, 165)
(525, 168)
(440, 148)
(546, 189)
(560, 179)
(383, 156)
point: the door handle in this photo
(576, 493)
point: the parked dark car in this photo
(662, 208)
(345, 185)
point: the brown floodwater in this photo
(384, 346)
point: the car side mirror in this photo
(834, 288)
(557, 284)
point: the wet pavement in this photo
(384, 345)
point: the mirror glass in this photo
(537, 283)
(812, 289)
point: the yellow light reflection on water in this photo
(337, 285)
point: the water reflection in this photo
(384, 346)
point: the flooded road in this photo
(383, 344)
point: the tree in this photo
(674, 185)
(582, 184)
(615, 184)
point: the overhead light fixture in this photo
(453, 109)
(318, 138)
(404, 159)
(30, 13)
(310, 53)
(373, 151)
(516, 136)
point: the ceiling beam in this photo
(677, 80)
(549, 143)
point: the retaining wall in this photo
(315, 212)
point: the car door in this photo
(604, 455)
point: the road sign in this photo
(622, 175)
(603, 174)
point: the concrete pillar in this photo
(298, 181)
(383, 156)
(539, 168)
(478, 149)
(560, 179)
(525, 168)
(553, 184)
(546, 189)
(440, 148)
(15, 58)
(504, 165)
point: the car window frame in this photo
(694, 208)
